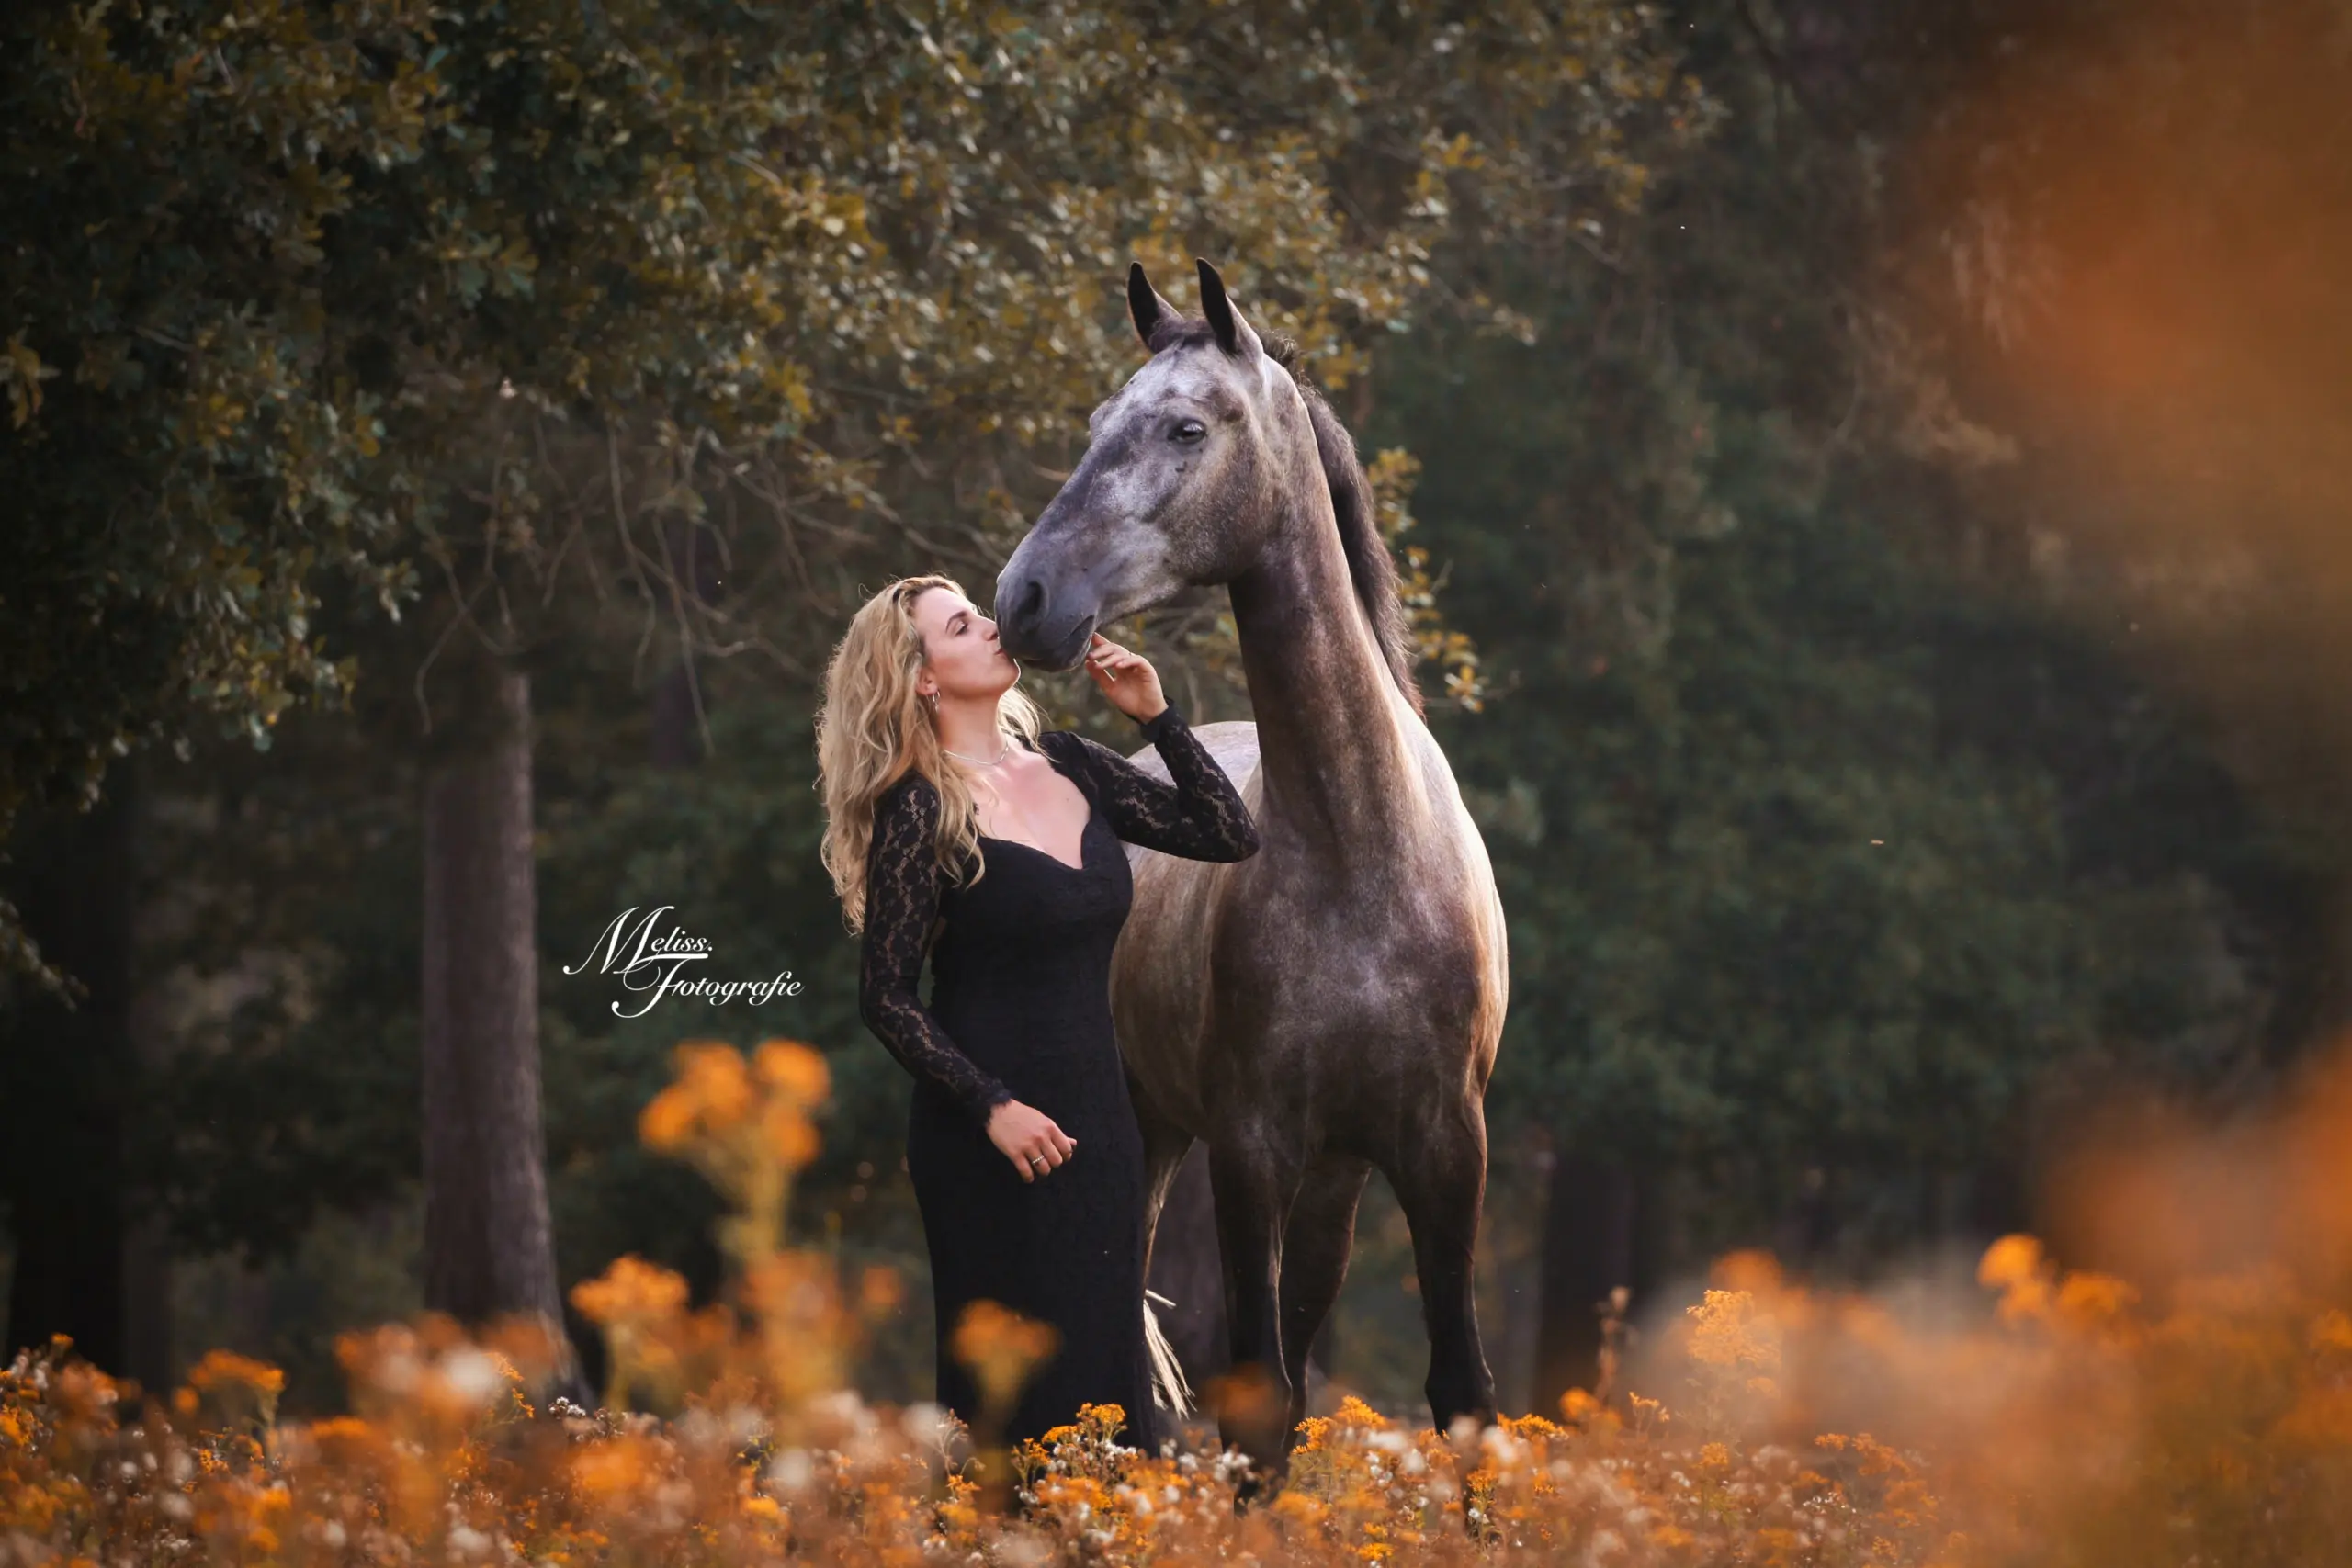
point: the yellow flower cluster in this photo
(2065, 1422)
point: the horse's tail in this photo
(1169, 1389)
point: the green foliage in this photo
(1821, 851)
(1820, 845)
(327, 299)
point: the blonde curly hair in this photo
(874, 730)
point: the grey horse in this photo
(1333, 1003)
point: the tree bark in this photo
(65, 1074)
(150, 1324)
(1588, 1219)
(489, 1238)
(676, 738)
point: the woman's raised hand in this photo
(1127, 679)
(1028, 1137)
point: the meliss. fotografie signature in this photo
(649, 959)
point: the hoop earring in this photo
(932, 698)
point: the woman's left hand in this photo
(1127, 679)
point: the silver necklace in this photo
(1004, 746)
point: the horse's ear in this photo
(1233, 333)
(1144, 303)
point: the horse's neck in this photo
(1335, 764)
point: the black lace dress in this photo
(1021, 1010)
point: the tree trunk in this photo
(65, 1076)
(1588, 1252)
(676, 736)
(1807, 1230)
(149, 1324)
(489, 1240)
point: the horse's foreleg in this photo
(1316, 1245)
(1253, 1191)
(1441, 1183)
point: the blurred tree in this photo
(1759, 559)
(2123, 240)
(1831, 847)
(339, 294)
(61, 1164)
(335, 306)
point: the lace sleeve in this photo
(1199, 816)
(901, 900)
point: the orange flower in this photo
(630, 1289)
(1730, 1332)
(792, 1287)
(234, 1382)
(2015, 1266)
(343, 1439)
(1578, 1407)
(794, 1068)
(712, 1092)
(225, 1369)
(2092, 1297)
(608, 1471)
(788, 1135)
(1000, 1346)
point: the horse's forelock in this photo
(1370, 569)
(1193, 331)
(1172, 331)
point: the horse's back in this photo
(1234, 744)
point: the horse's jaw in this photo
(1064, 653)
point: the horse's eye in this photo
(1188, 431)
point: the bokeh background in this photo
(1874, 481)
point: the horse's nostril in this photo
(1030, 607)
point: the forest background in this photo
(1872, 479)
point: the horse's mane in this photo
(1370, 569)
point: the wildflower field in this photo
(2074, 1422)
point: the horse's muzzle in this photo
(1029, 630)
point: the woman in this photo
(1023, 1144)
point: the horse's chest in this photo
(1386, 946)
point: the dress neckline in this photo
(1085, 829)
